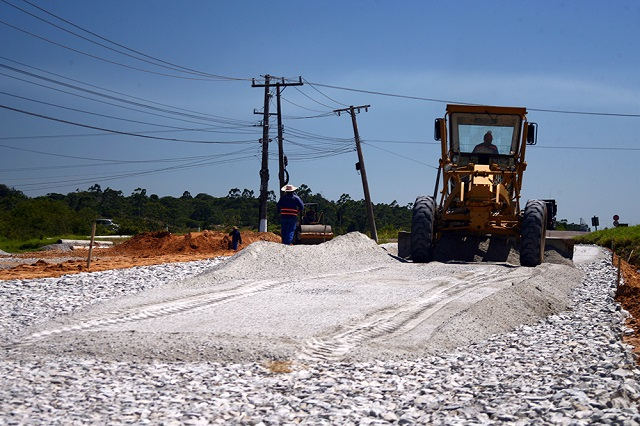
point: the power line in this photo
(134, 103)
(323, 114)
(314, 100)
(419, 98)
(597, 148)
(174, 128)
(401, 156)
(92, 179)
(98, 57)
(323, 94)
(86, 135)
(168, 65)
(59, 120)
(110, 162)
(199, 113)
(180, 68)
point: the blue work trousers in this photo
(288, 228)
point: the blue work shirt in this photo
(290, 204)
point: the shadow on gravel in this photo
(476, 249)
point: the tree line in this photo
(24, 218)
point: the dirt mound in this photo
(151, 248)
(628, 295)
(162, 243)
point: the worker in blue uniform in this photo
(288, 207)
(236, 238)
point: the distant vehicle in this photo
(552, 210)
(108, 223)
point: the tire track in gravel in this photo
(404, 318)
(176, 306)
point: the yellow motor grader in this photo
(482, 163)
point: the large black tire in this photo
(533, 233)
(422, 226)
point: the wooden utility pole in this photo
(264, 171)
(93, 239)
(281, 164)
(360, 166)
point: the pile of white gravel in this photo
(570, 368)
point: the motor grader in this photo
(481, 166)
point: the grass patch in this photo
(625, 241)
(35, 244)
(388, 234)
(22, 246)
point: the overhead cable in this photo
(200, 113)
(161, 63)
(98, 57)
(323, 94)
(444, 101)
(135, 103)
(59, 120)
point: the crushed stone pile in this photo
(266, 259)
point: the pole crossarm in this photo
(282, 82)
(352, 109)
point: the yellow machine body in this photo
(481, 191)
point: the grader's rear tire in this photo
(533, 233)
(422, 226)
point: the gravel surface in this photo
(568, 368)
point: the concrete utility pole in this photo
(360, 166)
(264, 171)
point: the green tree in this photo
(139, 200)
(9, 197)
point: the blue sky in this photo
(572, 64)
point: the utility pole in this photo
(264, 171)
(281, 162)
(360, 166)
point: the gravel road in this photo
(338, 333)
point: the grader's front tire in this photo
(422, 226)
(533, 233)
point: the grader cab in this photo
(482, 164)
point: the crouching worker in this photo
(288, 207)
